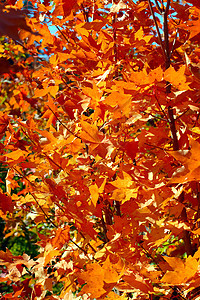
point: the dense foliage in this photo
(99, 149)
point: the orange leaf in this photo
(50, 255)
(62, 237)
(40, 93)
(182, 270)
(191, 164)
(90, 133)
(112, 273)
(177, 78)
(94, 277)
(53, 90)
(15, 155)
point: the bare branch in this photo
(158, 7)
(157, 29)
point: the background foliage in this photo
(99, 142)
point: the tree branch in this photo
(157, 28)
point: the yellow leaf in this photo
(196, 130)
(101, 189)
(123, 183)
(94, 191)
(53, 90)
(113, 296)
(139, 34)
(50, 255)
(2, 49)
(125, 189)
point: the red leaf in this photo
(6, 203)
(130, 148)
(68, 5)
(194, 2)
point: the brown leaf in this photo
(11, 21)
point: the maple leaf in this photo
(95, 191)
(115, 8)
(6, 204)
(49, 254)
(65, 7)
(177, 78)
(182, 271)
(194, 24)
(4, 121)
(125, 189)
(86, 124)
(94, 277)
(121, 100)
(191, 165)
(194, 68)
(90, 133)
(130, 148)
(194, 2)
(11, 21)
(62, 237)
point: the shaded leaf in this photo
(11, 21)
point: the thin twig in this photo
(173, 45)
(45, 214)
(53, 162)
(62, 34)
(157, 29)
(183, 114)
(115, 45)
(155, 147)
(158, 7)
(78, 137)
(24, 176)
(166, 41)
(150, 256)
(88, 243)
(161, 108)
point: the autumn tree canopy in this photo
(100, 149)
